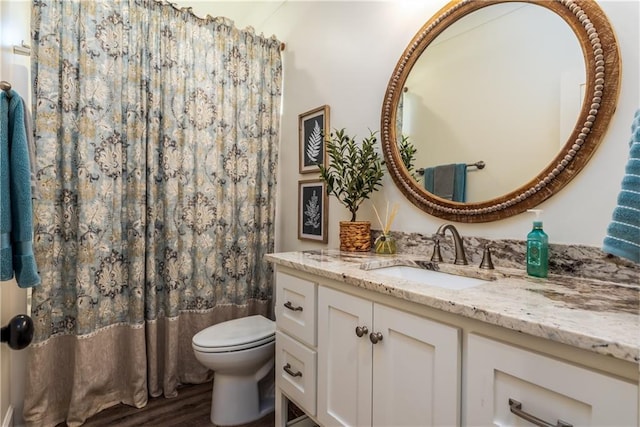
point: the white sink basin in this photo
(429, 277)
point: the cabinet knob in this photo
(516, 408)
(361, 331)
(292, 307)
(375, 337)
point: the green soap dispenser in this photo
(537, 248)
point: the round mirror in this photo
(508, 98)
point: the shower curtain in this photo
(156, 145)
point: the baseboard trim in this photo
(8, 417)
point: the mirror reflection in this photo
(492, 88)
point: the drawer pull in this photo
(375, 337)
(516, 408)
(361, 331)
(287, 369)
(291, 307)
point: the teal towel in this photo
(16, 227)
(623, 233)
(447, 181)
(460, 183)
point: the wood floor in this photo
(191, 408)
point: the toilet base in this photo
(237, 400)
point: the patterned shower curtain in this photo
(156, 136)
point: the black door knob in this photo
(18, 333)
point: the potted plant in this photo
(353, 173)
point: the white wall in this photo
(342, 54)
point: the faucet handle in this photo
(437, 255)
(486, 263)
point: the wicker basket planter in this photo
(355, 236)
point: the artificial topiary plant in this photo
(354, 170)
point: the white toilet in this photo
(241, 352)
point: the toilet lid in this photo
(236, 334)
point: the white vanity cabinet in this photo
(349, 356)
(381, 366)
(506, 384)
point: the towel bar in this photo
(480, 165)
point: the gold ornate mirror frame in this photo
(602, 64)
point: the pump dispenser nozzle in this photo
(537, 212)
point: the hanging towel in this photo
(16, 228)
(623, 233)
(447, 181)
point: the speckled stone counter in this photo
(595, 315)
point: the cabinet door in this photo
(344, 359)
(549, 389)
(416, 371)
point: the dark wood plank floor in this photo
(191, 408)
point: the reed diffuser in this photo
(385, 243)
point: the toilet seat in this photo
(226, 349)
(235, 335)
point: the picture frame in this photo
(313, 210)
(313, 128)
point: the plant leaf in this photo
(314, 144)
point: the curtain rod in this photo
(25, 49)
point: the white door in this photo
(507, 384)
(416, 371)
(344, 359)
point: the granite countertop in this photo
(595, 315)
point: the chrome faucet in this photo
(461, 258)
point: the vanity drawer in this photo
(505, 383)
(296, 372)
(296, 307)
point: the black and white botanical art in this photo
(312, 210)
(313, 143)
(312, 130)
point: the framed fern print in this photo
(312, 210)
(313, 126)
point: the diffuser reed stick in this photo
(385, 243)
